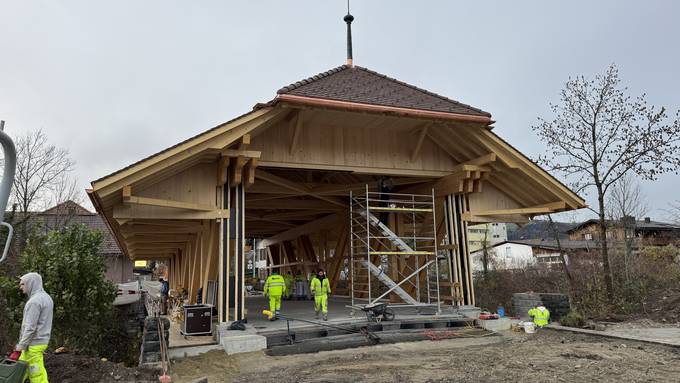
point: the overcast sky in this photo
(116, 81)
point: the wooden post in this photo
(223, 278)
(459, 253)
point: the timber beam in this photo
(153, 212)
(498, 218)
(294, 204)
(237, 163)
(128, 198)
(308, 228)
(547, 208)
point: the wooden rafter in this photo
(216, 138)
(308, 228)
(291, 215)
(299, 188)
(523, 211)
(274, 221)
(513, 157)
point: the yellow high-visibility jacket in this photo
(289, 281)
(541, 317)
(320, 288)
(275, 286)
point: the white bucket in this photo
(529, 327)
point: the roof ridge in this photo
(444, 98)
(307, 80)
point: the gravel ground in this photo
(514, 357)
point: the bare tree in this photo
(625, 203)
(626, 199)
(599, 134)
(42, 172)
(563, 260)
(675, 212)
(65, 189)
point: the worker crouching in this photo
(541, 316)
(275, 288)
(321, 288)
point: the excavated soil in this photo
(545, 356)
(71, 368)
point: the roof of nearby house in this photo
(539, 229)
(361, 85)
(70, 212)
(68, 207)
(552, 244)
(639, 225)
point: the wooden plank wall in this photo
(352, 147)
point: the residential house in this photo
(645, 232)
(518, 254)
(487, 234)
(118, 267)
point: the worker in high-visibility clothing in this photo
(541, 315)
(36, 328)
(275, 288)
(321, 288)
(288, 279)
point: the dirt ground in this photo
(70, 368)
(545, 356)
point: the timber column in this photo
(235, 172)
(460, 265)
(223, 264)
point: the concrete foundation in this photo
(261, 333)
(236, 342)
(469, 311)
(501, 324)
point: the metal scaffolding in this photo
(393, 249)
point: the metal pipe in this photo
(10, 156)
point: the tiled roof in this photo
(552, 244)
(69, 213)
(68, 207)
(361, 85)
(539, 229)
(352, 84)
(639, 225)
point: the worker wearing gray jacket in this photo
(36, 327)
